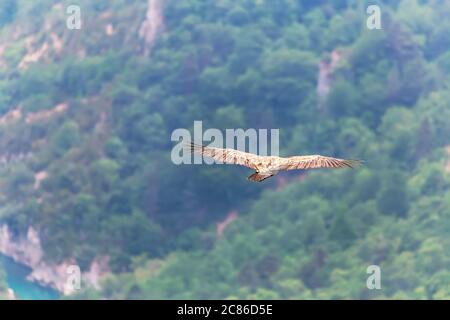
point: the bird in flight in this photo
(268, 166)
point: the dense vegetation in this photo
(3, 286)
(112, 190)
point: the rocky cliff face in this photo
(152, 25)
(28, 251)
(45, 42)
(326, 69)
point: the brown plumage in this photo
(267, 166)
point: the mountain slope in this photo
(86, 119)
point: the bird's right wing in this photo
(228, 156)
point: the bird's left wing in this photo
(228, 156)
(316, 161)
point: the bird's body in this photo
(268, 166)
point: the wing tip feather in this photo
(193, 147)
(354, 163)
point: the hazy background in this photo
(85, 171)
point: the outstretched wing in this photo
(316, 161)
(228, 156)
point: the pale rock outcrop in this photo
(222, 225)
(11, 295)
(33, 56)
(28, 251)
(152, 25)
(25, 250)
(109, 29)
(46, 114)
(38, 178)
(10, 116)
(326, 69)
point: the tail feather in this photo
(258, 177)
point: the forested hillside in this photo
(3, 286)
(85, 123)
